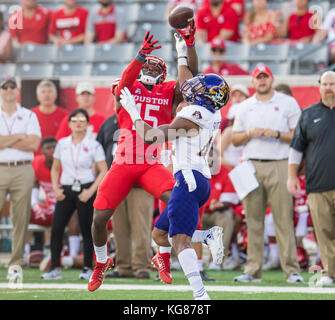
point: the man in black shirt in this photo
(314, 138)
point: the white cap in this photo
(85, 86)
(240, 87)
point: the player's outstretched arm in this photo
(178, 128)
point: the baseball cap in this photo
(261, 68)
(218, 43)
(84, 86)
(5, 79)
(240, 87)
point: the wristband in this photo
(182, 61)
(140, 56)
(278, 134)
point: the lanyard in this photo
(9, 129)
(75, 161)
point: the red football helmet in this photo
(159, 65)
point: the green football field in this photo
(272, 287)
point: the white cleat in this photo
(205, 296)
(215, 244)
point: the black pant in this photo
(63, 212)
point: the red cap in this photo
(218, 43)
(261, 68)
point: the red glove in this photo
(147, 46)
(188, 34)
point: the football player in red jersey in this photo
(137, 163)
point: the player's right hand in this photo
(148, 45)
(180, 45)
(188, 34)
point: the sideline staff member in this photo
(20, 135)
(264, 124)
(314, 137)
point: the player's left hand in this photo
(129, 104)
(188, 34)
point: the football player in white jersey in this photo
(192, 133)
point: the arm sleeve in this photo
(294, 156)
(33, 126)
(56, 154)
(99, 153)
(294, 114)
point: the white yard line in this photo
(243, 289)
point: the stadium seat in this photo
(36, 53)
(113, 52)
(147, 12)
(161, 32)
(34, 70)
(74, 53)
(277, 68)
(237, 52)
(72, 69)
(7, 68)
(268, 52)
(203, 51)
(108, 69)
(166, 52)
(308, 62)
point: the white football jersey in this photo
(192, 152)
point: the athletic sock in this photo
(188, 261)
(101, 253)
(164, 249)
(74, 245)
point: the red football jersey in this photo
(34, 30)
(43, 177)
(96, 121)
(68, 26)
(221, 188)
(155, 108)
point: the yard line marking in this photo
(246, 289)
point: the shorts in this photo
(154, 178)
(182, 213)
(42, 215)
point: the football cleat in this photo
(98, 274)
(215, 244)
(161, 261)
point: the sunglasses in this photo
(220, 50)
(81, 120)
(11, 86)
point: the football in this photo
(180, 17)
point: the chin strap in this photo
(148, 79)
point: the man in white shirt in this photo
(20, 136)
(264, 125)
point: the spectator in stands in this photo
(85, 94)
(20, 135)
(107, 25)
(327, 32)
(6, 47)
(68, 24)
(219, 66)
(218, 208)
(30, 23)
(260, 23)
(237, 5)
(218, 20)
(75, 155)
(133, 219)
(298, 27)
(49, 115)
(264, 126)
(193, 4)
(314, 139)
(284, 88)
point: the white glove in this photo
(181, 50)
(129, 104)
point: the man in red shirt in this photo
(68, 25)
(49, 115)
(217, 20)
(220, 67)
(30, 23)
(107, 25)
(85, 98)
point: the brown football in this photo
(180, 17)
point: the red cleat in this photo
(161, 262)
(99, 273)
